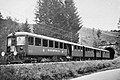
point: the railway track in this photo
(49, 62)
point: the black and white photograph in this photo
(59, 39)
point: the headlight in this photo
(15, 53)
(3, 54)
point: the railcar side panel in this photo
(46, 51)
(89, 52)
(98, 54)
(106, 55)
(57, 52)
(77, 53)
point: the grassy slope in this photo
(87, 36)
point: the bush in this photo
(50, 71)
(7, 73)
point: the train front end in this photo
(15, 50)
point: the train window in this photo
(30, 40)
(90, 49)
(21, 40)
(50, 43)
(98, 51)
(56, 44)
(61, 45)
(65, 46)
(45, 42)
(9, 42)
(13, 39)
(37, 41)
(86, 49)
(75, 47)
(81, 48)
(78, 47)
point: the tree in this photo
(61, 18)
(1, 29)
(118, 23)
(95, 44)
(96, 37)
(99, 33)
(25, 27)
(7, 26)
(95, 41)
(1, 17)
(118, 37)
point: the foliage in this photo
(99, 33)
(115, 30)
(103, 43)
(118, 37)
(60, 17)
(51, 71)
(25, 27)
(1, 17)
(95, 44)
(97, 41)
(7, 26)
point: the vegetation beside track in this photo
(55, 70)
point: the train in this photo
(28, 47)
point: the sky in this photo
(99, 14)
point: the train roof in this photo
(50, 38)
(95, 48)
(44, 37)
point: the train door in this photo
(69, 50)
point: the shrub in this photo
(50, 71)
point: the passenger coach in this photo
(28, 46)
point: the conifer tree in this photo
(26, 27)
(1, 17)
(61, 18)
(72, 18)
(7, 26)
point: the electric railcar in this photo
(28, 46)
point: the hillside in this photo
(88, 35)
